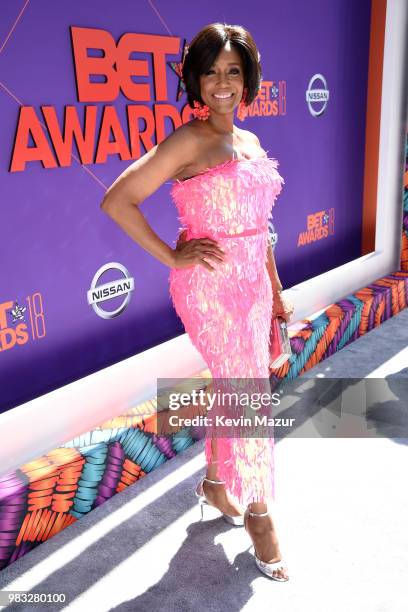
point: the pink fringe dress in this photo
(227, 313)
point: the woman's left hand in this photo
(282, 307)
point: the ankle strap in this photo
(214, 481)
(257, 513)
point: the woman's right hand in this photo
(197, 251)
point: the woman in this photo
(223, 279)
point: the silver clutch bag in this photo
(279, 343)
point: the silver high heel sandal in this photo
(267, 568)
(238, 521)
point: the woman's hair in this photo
(204, 49)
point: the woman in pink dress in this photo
(223, 279)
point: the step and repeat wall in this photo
(85, 89)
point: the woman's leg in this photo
(262, 532)
(213, 465)
(217, 494)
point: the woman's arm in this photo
(140, 180)
(270, 262)
(272, 271)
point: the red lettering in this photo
(90, 38)
(110, 123)
(29, 123)
(135, 113)
(264, 92)
(7, 339)
(315, 220)
(116, 65)
(10, 337)
(3, 318)
(163, 111)
(72, 128)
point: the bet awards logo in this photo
(15, 330)
(319, 225)
(113, 289)
(317, 98)
(270, 101)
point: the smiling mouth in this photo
(223, 97)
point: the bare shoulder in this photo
(160, 164)
(250, 136)
(183, 142)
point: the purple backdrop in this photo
(54, 235)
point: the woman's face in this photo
(226, 76)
